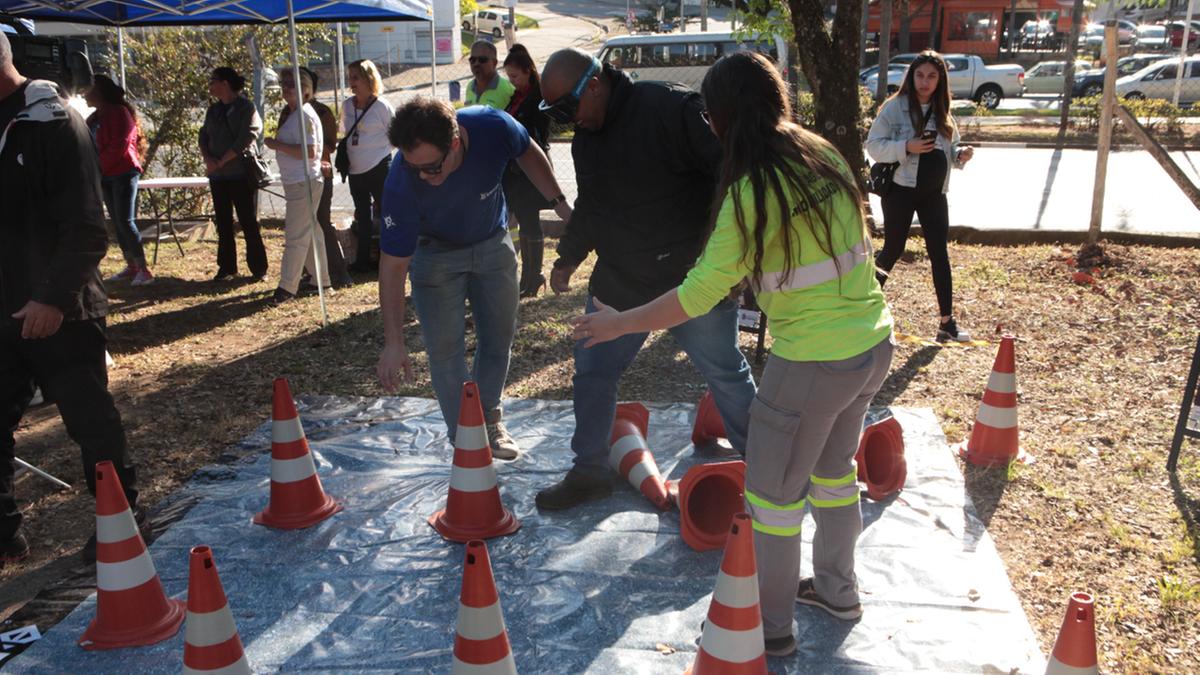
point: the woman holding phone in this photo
(914, 128)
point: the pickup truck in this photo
(969, 78)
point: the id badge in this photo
(354, 139)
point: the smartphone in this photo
(928, 135)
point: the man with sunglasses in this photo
(489, 87)
(445, 226)
(646, 164)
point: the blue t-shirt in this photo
(469, 206)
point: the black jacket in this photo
(52, 233)
(519, 191)
(646, 182)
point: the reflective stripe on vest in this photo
(781, 520)
(812, 274)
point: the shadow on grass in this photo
(154, 330)
(898, 380)
(1189, 508)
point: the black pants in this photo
(69, 367)
(898, 207)
(367, 191)
(228, 195)
(526, 204)
(333, 249)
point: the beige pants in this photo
(299, 222)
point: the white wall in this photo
(409, 40)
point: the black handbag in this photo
(882, 173)
(257, 173)
(341, 160)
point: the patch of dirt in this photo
(1101, 369)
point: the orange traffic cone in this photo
(993, 439)
(1075, 649)
(473, 508)
(880, 459)
(210, 641)
(708, 496)
(629, 454)
(480, 641)
(709, 426)
(131, 607)
(297, 498)
(732, 641)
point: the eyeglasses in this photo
(480, 59)
(564, 109)
(704, 116)
(432, 169)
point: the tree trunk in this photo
(1013, 39)
(905, 25)
(935, 26)
(828, 60)
(1069, 68)
(885, 47)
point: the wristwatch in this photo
(557, 200)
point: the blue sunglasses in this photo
(564, 109)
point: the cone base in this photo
(298, 521)
(95, 638)
(989, 461)
(507, 524)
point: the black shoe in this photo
(14, 549)
(806, 594)
(780, 646)
(574, 489)
(533, 288)
(949, 331)
(281, 296)
(143, 525)
(344, 283)
(223, 277)
(258, 277)
(359, 268)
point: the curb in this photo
(963, 234)
(1041, 145)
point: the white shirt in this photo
(291, 169)
(371, 133)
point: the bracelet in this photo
(557, 200)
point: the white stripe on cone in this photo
(736, 592)
(205, 629)
(286, 431)
(622, 447)
(638, 473)
(1056, 667)
(504, 666)
(480, 623)
(471, 438)
(997, 418)
(473, 480)
(239, 667)
(292, 470)
(125, 575)
(735, 646)
(119, 527)
(1002, 383)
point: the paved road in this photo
(1043, 189)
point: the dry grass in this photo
(1100, 368)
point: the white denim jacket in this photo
(893, 128)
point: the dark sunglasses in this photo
(480, 59)
(433, 169)
(564, 109)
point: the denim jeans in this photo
(444, 279)
(711, 342)
(120, 196)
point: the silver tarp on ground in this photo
(597, 589)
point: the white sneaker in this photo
(128, 273)
(143, 277)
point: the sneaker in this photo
(574, 489)
(807, 595)
(281, 296)
(127, 273)
(14, 549)
(143, 525)
(503, 445)
(950, 332)
(143, 277)
(221, 276)
(780, 646)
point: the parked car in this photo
(1158, 81)
(1047, 76)
(866, 73)
(895, 78)
(683, 57)
(1175, 34)
(987, 85)
(492, 21)
(1151, 38)
(1038, 35)
(1091, 83)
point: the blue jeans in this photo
(120, 196)
(444, 278)
(711, 342)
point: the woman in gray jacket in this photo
(915, 129)
(232, 127)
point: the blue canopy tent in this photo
(124, 13)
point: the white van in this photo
(490, 20)
(683, 57)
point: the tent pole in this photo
(432, 50)
(339, 63)
(121, 55)
(318, 238)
